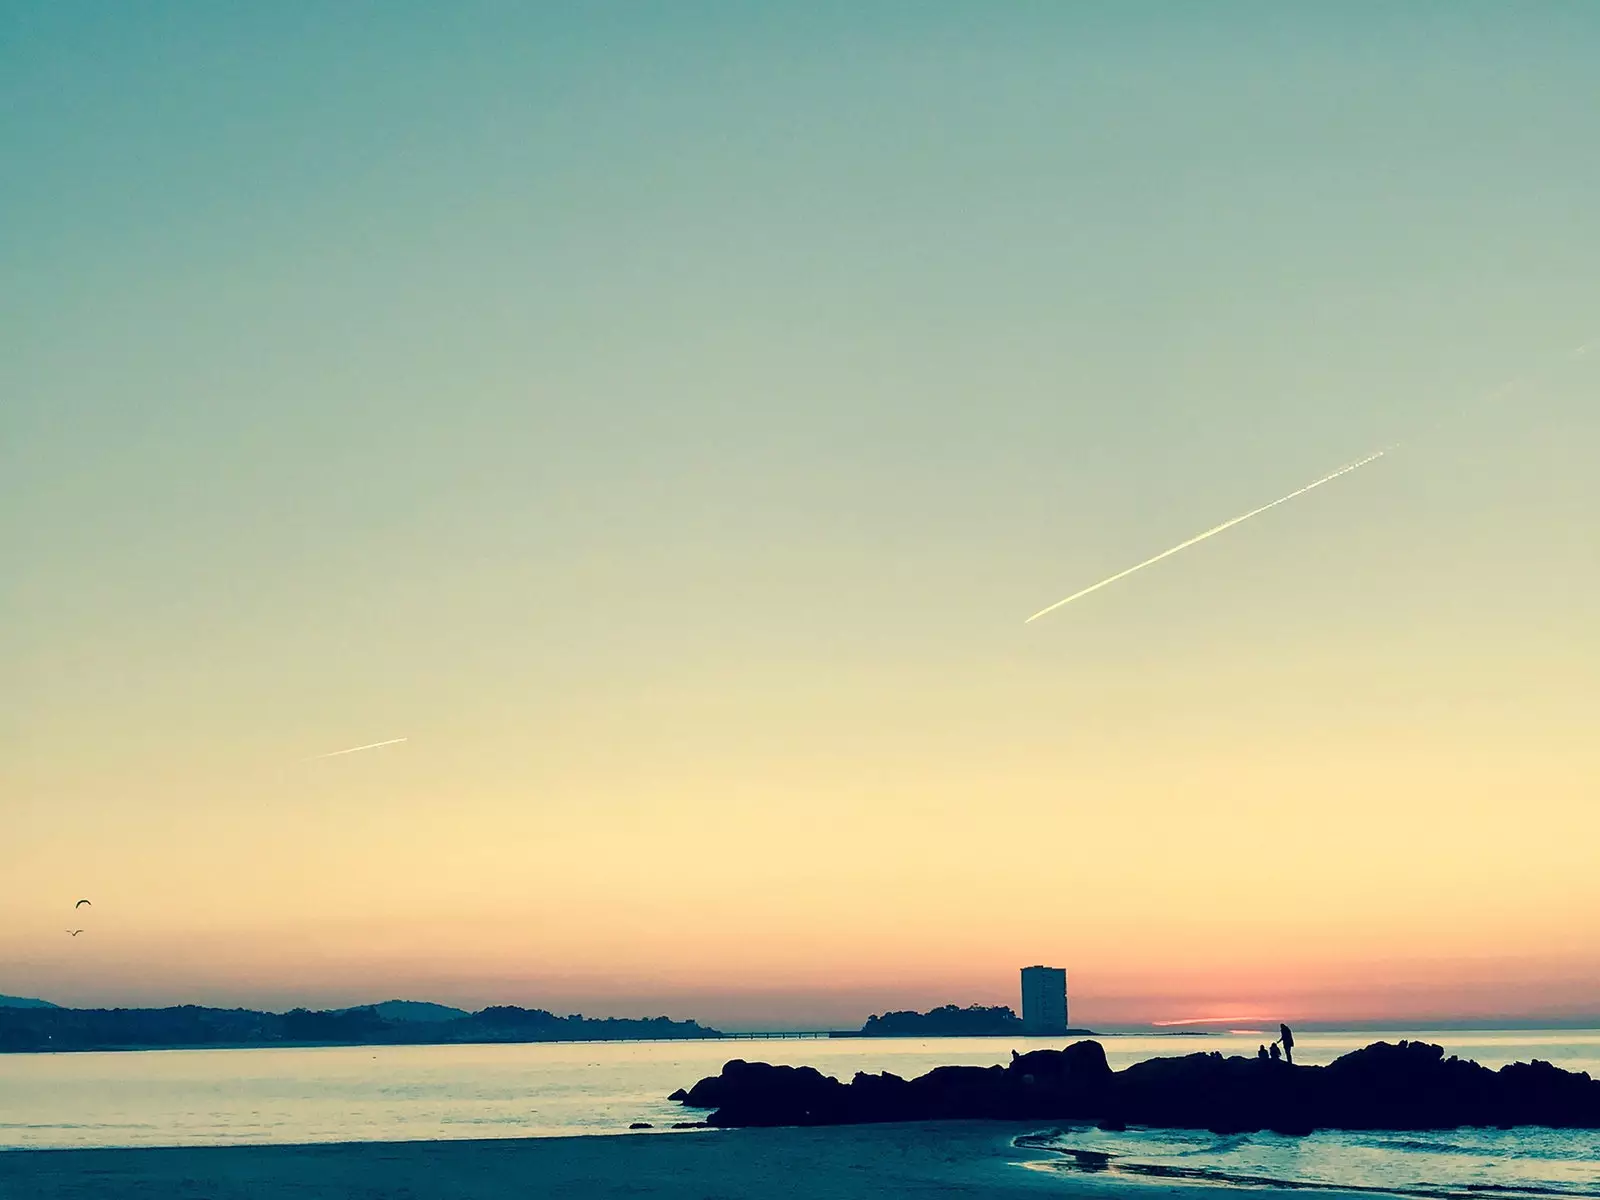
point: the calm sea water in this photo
(207, 1097)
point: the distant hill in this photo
(418, 1010)
(24, 1002)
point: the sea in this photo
(393, 1093)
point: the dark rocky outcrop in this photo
(1407, 1085)
(1059, 1083)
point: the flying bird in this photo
(356, 749)
(1212, 532)
(74, 932)
(81, 903)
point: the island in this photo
(949, 1020)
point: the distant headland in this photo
(36, 1026)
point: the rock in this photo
(761, 1094)
(1061, 1083)
(1406, 1085)
(1537, 1093)
(679, 1095)
(885, 1093)
(641, 1125)
(1081, 1059)
(1206, 1091)
(691, 1125)
(1044, 1083)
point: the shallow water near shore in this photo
(1524, 1162)
(392, 1093)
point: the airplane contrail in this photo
(1212, 532)
(355, 749)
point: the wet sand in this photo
(955, 1159)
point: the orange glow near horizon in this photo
(894, 889)
(1207, 1021)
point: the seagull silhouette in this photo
(81, 903)
(74, 932)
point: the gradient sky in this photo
(665, 416)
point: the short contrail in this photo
(1254, 512)
(355, 749)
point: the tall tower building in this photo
(1044, 1000)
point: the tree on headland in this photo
(948, 1020)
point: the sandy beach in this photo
(963, 1159)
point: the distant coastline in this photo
(30, 1025)
(37, 1026)
(38, 1029)
(41, 1027)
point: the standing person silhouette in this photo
(1287, 1039)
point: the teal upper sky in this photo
(600, 395)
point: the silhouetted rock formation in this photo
(33, 1029)
(1409, 1085)
(1063, 1083)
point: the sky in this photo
(665, 417)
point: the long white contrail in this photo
(355, 749)
(1212, 532)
